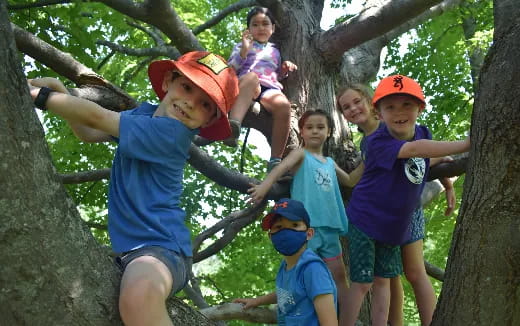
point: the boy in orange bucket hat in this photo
(146, 224)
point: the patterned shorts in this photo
(416, 228)
(369, 258)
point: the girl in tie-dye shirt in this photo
(259, 67)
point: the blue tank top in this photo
(315, 184)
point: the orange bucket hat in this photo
(398, 84)
(211, 73)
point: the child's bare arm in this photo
(349, 179)
(431, 148)
(82, 132)
(89, 121)
(258, 192)
(325, 309)
(258, 301)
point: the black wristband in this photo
(42, 97)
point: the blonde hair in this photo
(366, 92)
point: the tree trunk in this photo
(52, 270)
(482, 282)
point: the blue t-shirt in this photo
(146, 182)
(297, 288)
(383, 201)
(315, 184)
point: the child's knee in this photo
(249, 80)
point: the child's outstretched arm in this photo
(258, 301)
(89, 121)
(291, 162)
(325, 309)
(349, 179)
(431, 148)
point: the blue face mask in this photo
(288, 241)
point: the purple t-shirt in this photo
(263, 59)
(383, 201)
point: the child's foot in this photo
(232, 141)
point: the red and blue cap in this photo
(290, 209)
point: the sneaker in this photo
(232, 141)
(255, 107)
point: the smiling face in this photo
(399, 113)
(186, 102)
(315, 131)
(261, 28)
(355, 107)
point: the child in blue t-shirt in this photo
(383, 202)
(305, 291)
(145, 223)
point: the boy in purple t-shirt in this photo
(382, 203)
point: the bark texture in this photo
(482, 281)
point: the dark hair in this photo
(323, 113)
(259, 10)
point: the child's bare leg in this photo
(249, 89)
(395, 316)
(337, 268)
(145, 285)
(280, 108)
(380, 301)
(415, 272)
(355, 295)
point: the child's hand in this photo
(247, 302)
(450, 195)
(49, 82)
(257, 192)
(288, 66)
(247, 39)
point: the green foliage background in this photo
(435, 53)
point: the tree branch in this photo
(37, 4)
(373, 21)
(237, 6)
(233, 311)
(434, 271)
(161, 14)
(231, 225)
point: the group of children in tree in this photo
(383, 221)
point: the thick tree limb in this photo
(230, 311)
(161, 14)
(371, 22)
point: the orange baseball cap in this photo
(212, 74)
(398, 84)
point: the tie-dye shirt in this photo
(262, 59)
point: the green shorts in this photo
(369, 258)
(325, 243)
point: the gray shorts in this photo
(178, 264)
